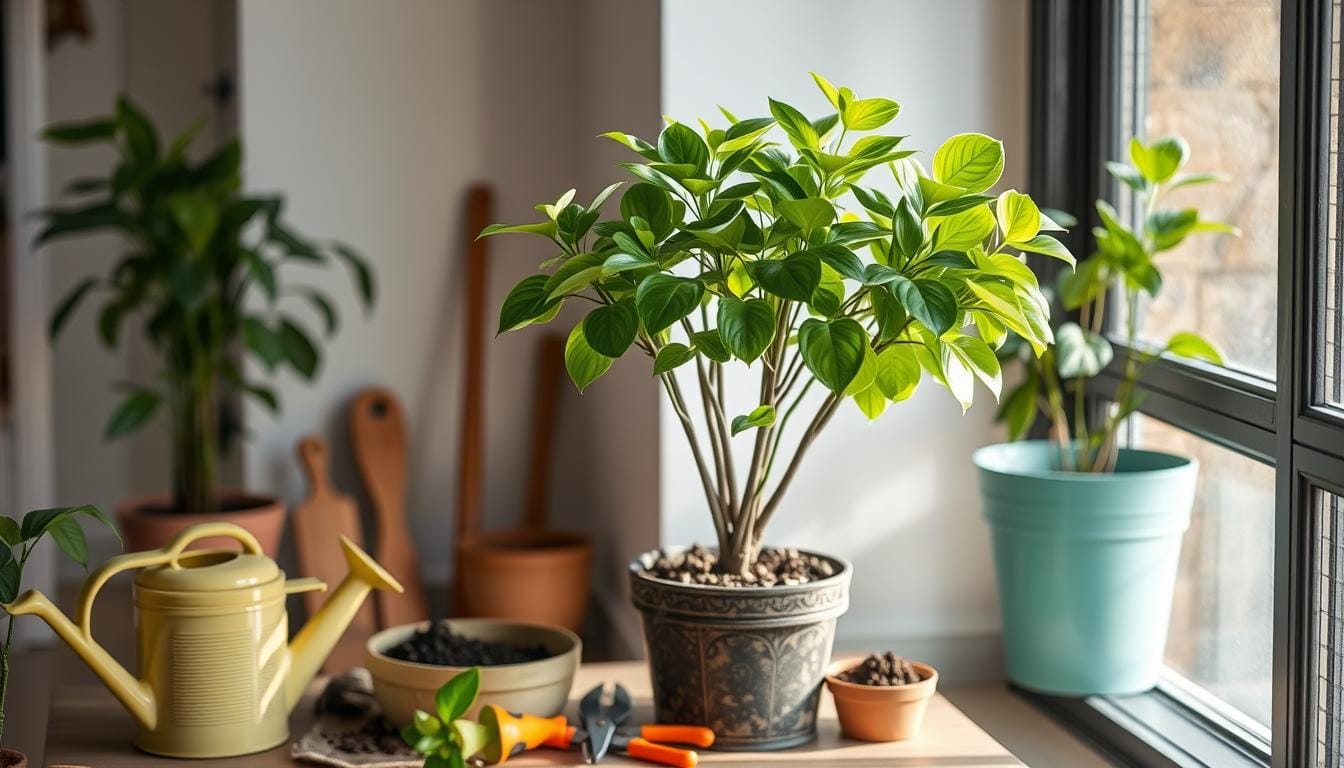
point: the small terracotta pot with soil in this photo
(150, 522)
(11, 759)
(881, 698)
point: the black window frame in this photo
(1075, 120)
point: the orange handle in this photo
(678, 734)
(657, 753)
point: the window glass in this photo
(1329, 610)
(1330, 285)
(1209, 71)
(1222, 621)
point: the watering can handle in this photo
(169, 554)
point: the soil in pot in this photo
(11, 759)
(774, 567)
(438, 644)
(885, 669)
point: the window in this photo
(1255, 649)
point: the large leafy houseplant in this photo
(18, 540)
(1123, 271)
(733, 245)
(201, 270)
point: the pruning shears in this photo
(601, 730)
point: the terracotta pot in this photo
(148, 522)
(746, 662)
(526, 575)
(11, 759)
(880, 712)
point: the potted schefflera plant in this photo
(760, 244)
(1086, 533)
(200, 279)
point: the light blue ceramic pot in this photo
(1086, 564)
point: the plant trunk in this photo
(4, 674)
(195, 465)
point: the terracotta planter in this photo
(526, 575)
(148, 522)
(881, 712)
(11, 759)
(746, 662)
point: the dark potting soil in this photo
(440, 645)
(887, 669)
(773, 568)
(371, 738)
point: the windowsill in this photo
(1033, 736)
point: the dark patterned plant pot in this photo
(747, 662)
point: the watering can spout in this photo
(311, 646)
(132, 693)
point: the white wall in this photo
(898, 496)
(373, 121)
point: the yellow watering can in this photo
(217, 678)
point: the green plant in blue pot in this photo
(1086, 533)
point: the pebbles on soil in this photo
(887, 669)
(440, 645)
(774, 567)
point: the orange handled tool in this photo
(678, 734)
(512, 734)
(644, 749)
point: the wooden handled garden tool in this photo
(600, 730)
(378, 436)
(529, 573)
(319, 523)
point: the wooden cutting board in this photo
(319, 522)
(378, 437)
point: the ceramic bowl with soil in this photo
(524, 667)
(881, 697)
(12, 759)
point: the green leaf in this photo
(898, 372)
(1159, 160)
(891, 316)
(972, 161)
(67, 534)
(833, 350)
(425, 723)
(832, 94)
(624, 262)
(1018, 410)
(262, 342)
(62, 222)
(793, 277)
(809, 214)
(36, 522)
(743, 134)
(644, 148)
(710, 344)
(747, 327)
(69, 304)
(80, 132)
(264, 395)
(455, 696)
(9, 581)
(582, 362)
(931, 302)
(870, 401)
(134, 411)
(576, 274)
(965, 230)
(1080, 353)
(525, 304)
(1191, 179)
(662, 300)
(1019, 218)
(1048, 246)
(679, 143)
(298, 348)
(1187, 344)
(546, 229)
(907, 230)
(261, 271)
(139, 132)
(363, 274)
(761, 416)
(840, 259)
(800, 131)
(957, 205)
(671, 356)
(1169, 228)
(610, 330)
(1129, 175)
(9, 532)
(869, 114)
(979, 359)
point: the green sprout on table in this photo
(18, 540)
(448, 740)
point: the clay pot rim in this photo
(844, 569)
(379, 639)
(257, 504)
(928, 675)
(526, 542)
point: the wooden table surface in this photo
(87, 727)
